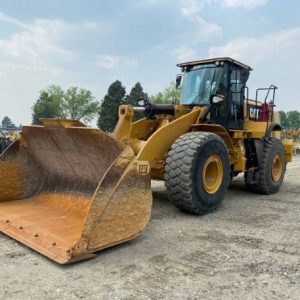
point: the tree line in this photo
(80, 104)
(290, 119)
(7, 124)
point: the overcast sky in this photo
(92, 43)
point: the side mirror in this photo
(141, 102)
(217, 99)
(178, 80)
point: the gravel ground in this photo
(248, 249)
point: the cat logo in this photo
(143, 168)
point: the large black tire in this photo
(193, 161)
(272, 168)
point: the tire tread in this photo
(178, 170)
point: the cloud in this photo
(108, 61)
(247, 4)
(111, 62)
(35, 56)
(36, 44)
(191, 10)
(274, 57)
(41, 42)
(282, 45)
(184, 53)
(92, 27)
(13, 21)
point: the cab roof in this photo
(212, 60)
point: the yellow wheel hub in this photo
(212, 174)
(277, 168)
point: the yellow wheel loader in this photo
(68, 191)
(294, 134)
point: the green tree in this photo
(283, 119)
(79, 104)
(108, 114)
(135, 94)
(48, 105)
(7, 123)
(54, 102)
(168, 96)
(293, 118)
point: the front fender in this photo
(161, 140)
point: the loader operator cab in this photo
(218, 83)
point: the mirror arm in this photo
(207, 111)
(209, 108)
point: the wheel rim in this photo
(277, 167)
(212, 174)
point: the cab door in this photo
(236, 96)
(219, 113)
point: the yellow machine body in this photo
(152, 139)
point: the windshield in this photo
(199, 83)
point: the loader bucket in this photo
(68, 191)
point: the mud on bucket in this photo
(68, 191)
